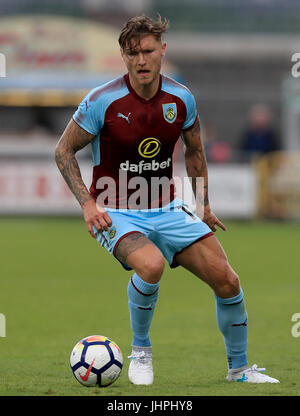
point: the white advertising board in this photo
(34, 187)
(233, 191)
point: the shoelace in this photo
(255, 368)
(139, 355)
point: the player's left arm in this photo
(196, 166)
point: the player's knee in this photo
(230, 284)
(152, 269)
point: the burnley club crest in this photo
(170, 112)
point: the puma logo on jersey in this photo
(125, 117)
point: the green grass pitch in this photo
(58, 286)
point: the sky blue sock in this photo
(232, 321)
(142, 297)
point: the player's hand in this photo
(212, 221)
(95, 216)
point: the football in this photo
(96, 361)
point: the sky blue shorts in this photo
(171, 229)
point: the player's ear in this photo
(163, 48)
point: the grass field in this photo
(58, 286)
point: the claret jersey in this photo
(134, 140)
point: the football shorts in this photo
(171, 228)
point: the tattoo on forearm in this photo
(68, 166)
(203, 197)
(196, 127)
(196, 161)
(72, 140)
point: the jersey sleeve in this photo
(88, 114)
(191, 111)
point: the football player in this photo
(133, 124)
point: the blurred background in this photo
(235, 56)
(56, 285)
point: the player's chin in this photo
(144, 80)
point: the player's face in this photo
(143, 59)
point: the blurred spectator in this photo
(216, 151)
(260, 136)
(41, 123)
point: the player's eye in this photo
(132, 54)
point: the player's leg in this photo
(138, 252)
(126, 240)
(207, 260)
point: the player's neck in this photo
(147, 91)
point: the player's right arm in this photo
(73, 139)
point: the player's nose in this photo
(141, 59)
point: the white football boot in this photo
(250, 375)
(140, 368)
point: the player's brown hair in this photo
(138, 26)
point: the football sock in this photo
(232, 321)
(142, 297)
